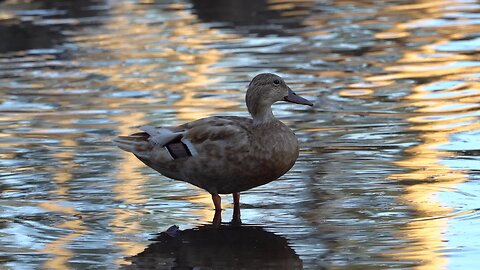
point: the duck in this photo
(224, 154)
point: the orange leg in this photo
(217, 201)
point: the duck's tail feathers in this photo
(142, 143)
(136, 143)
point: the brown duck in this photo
(224, 154)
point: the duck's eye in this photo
(276, 82)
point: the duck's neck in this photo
(262, 115)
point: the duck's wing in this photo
(219, 129)
(188, 139)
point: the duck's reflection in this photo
(25, 30)
(217, 247)
(262, 17)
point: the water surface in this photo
(389, 166)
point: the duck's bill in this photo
(294, 98)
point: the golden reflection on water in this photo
(438, 116)
(58, 248)
(291, 8)
(128, 190)
(61, 176)
(198, 67)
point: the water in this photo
(389, 167)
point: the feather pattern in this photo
(159, 135)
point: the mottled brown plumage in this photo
(228, 154)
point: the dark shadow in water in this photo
(31, 32)
(26, 36)
(253, 16)
(217, 247)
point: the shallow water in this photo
(388, 175)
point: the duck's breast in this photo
(276, 150)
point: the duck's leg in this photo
(236, 207)
(217, 201)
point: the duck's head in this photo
(266, 89)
